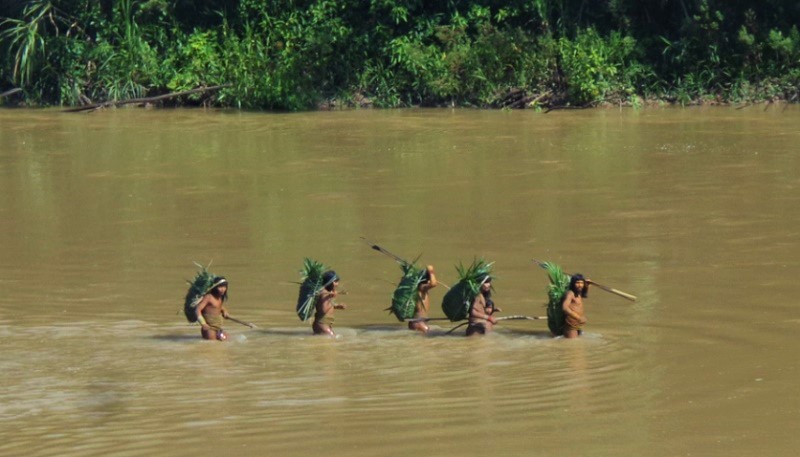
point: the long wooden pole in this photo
(614, 291)
(504, 318)
(517, 318)
(606, 288)
(456, 327)
(385, 252)
(246, 324)
(427, 319)
(398, 259)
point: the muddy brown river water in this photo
(695, 211)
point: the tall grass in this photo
(25, 38)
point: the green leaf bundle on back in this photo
(311, 275)
(404, 299)
(202, 284)
(458, 300)
(559, 284)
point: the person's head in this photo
(425, 278)
(490, 305)
(329, 280)
(486, 283)
(577, 284)
(220, 287)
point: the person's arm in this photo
(199, 310)
(478, 310)
(325, 301)
(325, 294)
(494, 308)
(433, 282)
(330, 295)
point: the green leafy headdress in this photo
(458, 300)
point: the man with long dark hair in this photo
(211, 310)
(480, 317)
(572, 305)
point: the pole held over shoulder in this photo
(622, 294)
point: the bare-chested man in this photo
(423, 302)
(211, 311)
(481, 320)
(573, 306)
(325, 305)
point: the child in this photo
(325, 305)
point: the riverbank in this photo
(278, 56)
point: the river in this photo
(694, 211)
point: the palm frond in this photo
(404, 298)
(311, 275)
(559, 284)
(198, 287)
(458, 300)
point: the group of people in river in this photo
(210, 311)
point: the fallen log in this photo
(156, 98)
(10, 92)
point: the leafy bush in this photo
(283, 54)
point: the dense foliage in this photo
(305, 54)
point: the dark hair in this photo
(328, 278)
(425, 278)
(221, 281)
(575, 278)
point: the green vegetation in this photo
(202, 284)
(404, 298)
(312, 283)
(307, 54)
(556, 290)
(457, 302)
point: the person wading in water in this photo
(211, 311)
(325, 305)
(481, 320)
(423, 301)
(574, 317)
